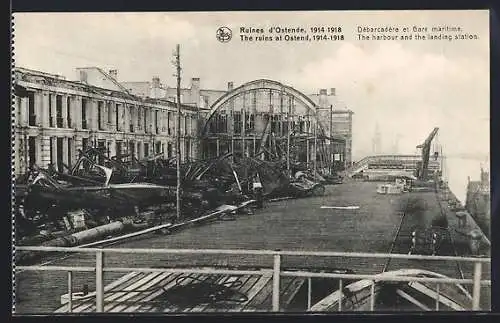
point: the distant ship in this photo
(477, 201)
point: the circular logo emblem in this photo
(224, 34)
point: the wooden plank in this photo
(289, 293)
(330, 302)
(149, 297)
(130, 277)
(247, 283)
(171, 307)
(264, 293)
(126, 236)
(451, 292)
(208, 307)
(254, 288)
(122, 291)
(204, 278)
(123, 302)
(222, 307)
(432, 294)
(285, 283)
(130, 290)
(412, 300)
(264, 282)
(218, 211)
(216, 279)
(360, 301)
(262, 301)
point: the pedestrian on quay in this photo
(257, 192)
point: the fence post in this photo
(309, 291)
(340, 295)
(276, 282)
(70, 291)
(477, 286)
(99, 288)
(437, 297)
(372, 296)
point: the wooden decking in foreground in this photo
(159, 292)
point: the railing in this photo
(277, 271)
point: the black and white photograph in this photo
(251, 161)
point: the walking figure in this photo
(425, 241)
(257, 192)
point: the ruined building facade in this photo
(54, 118)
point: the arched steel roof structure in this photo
(263, 84)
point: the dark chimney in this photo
(195, 91)
(195, 82)
(82, 76)
(230, 86)
(323, 102)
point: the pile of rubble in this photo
(99, 190)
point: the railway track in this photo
(421, 220)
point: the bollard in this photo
(259, 198)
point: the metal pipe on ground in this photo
(81, 237)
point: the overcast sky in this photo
(407, 87)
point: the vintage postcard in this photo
(313, 161)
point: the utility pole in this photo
(288, 137)
(178, 134)
(331, 140)
(316, 143)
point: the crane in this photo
(426, 147)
